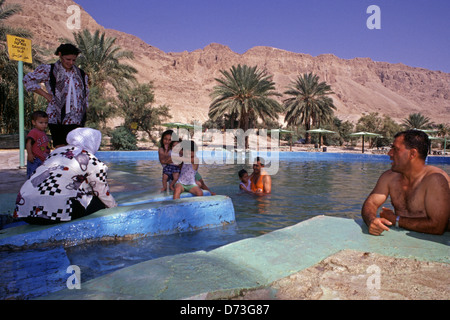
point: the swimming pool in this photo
(306, 185)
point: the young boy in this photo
(37, 143)
(245, 181)
(189, 167)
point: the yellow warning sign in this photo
(19, 49)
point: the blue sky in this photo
(415, 32)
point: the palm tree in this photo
(416, 121)
(100, 59)
(309, 103)
(6, 11)
(8, 68)
(244, 93)
(443, 130)
(8, 71)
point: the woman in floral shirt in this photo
(66, 91)
(70, 184)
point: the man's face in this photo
(257, 167)
(399, 155)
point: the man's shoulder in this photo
(389, 174)
(435, 173)
(389, 179)
(266, 176)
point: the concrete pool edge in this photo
(255, 262)
(131, 220)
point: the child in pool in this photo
(245, 184)
(189, 167)
(171, 171)
(201, 183)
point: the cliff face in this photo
(185, 80)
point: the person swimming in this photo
(261, 182)
(245, 181)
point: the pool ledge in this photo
(255, 262)
(131, 219)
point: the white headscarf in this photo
(84, 139)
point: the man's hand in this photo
(388, 214)
(378, 225)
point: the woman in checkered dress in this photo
(70, 184)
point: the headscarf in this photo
(84, 139)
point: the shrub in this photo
(123, 139)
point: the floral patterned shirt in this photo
(32, 81)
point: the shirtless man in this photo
(419, 193)
(261, 182)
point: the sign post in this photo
(19, 49)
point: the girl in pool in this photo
(245, 184)
(171, 171)
(189, 167)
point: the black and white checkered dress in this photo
(63, 178)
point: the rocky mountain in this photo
(185, 80)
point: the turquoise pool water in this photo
(305, 186)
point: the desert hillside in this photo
(184, 80)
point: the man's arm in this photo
(267, 182)
(437, 207)
(376, 198)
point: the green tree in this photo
(136, 107)
(343, 130)
(443, 130)
(123, 139)
(309, 103)
(371, 122)
(384, 126)
(101, 108)
(417, 121)
(7, 11)
(101, 59)
(8, 74)
(244, 93)
(389, 129)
